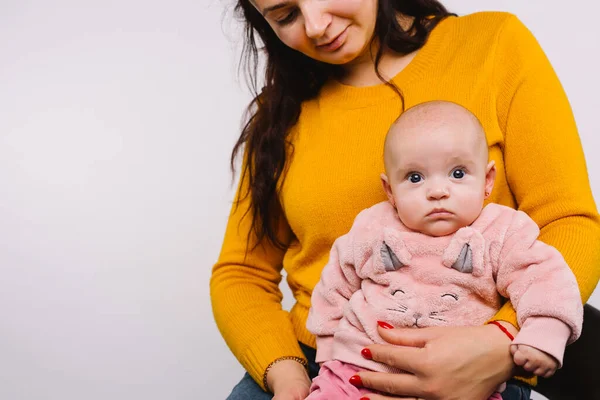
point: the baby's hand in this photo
(289, 381)
(534, 360)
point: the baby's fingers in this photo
(549, 373)
(531, 366)
(544, 372)
(520, 358)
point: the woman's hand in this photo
(288, 380)
(442, 362)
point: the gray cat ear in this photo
(390, 260)
(464, 262)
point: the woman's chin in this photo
(347, 54)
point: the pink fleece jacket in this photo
(381, 270)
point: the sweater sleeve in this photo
(245, 295)
(541, 287)
(544, 159)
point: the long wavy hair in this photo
(291, 78)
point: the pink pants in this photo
(333, 383)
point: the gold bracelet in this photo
(300, 360)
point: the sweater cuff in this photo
(324, 348)
(547, 334)
(267, 348)
(507, 314)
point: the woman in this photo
(338, 73)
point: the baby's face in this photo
(437, 177)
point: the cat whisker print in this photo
(402, 310)
(437, 319)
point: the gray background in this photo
(116, 123)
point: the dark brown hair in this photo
(291, 78)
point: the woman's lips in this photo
(336, 43)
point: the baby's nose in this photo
(438, 193)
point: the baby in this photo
(433, 256)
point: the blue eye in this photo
(458, 173)
(415, 178)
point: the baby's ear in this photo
(490, 178)
(387, 188)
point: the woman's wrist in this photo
(284, 368)
(502, 332)
(513, 331)
(505, 327)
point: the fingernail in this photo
(384, 325)
(355, 381)
(364, 398)
(366, 353)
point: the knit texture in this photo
(487, 62)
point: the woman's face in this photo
(331, 31)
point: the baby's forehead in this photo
(439, 112)
(455, 125)
(463, 137)
(444, 139)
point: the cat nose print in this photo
(417, 315)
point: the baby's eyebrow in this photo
(410, 167)
(460, 160)
(403, 171)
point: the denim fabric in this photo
(247, 389)
(516, 390)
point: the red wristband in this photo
(503, 329)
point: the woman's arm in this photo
(545, 164)
(246, 298)
(540, 285)
(546, 171)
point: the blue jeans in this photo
(247, 389)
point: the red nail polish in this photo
(384, 325)
(364, 398)
(356, 381)
(366, 353)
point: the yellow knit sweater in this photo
(487, 62)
